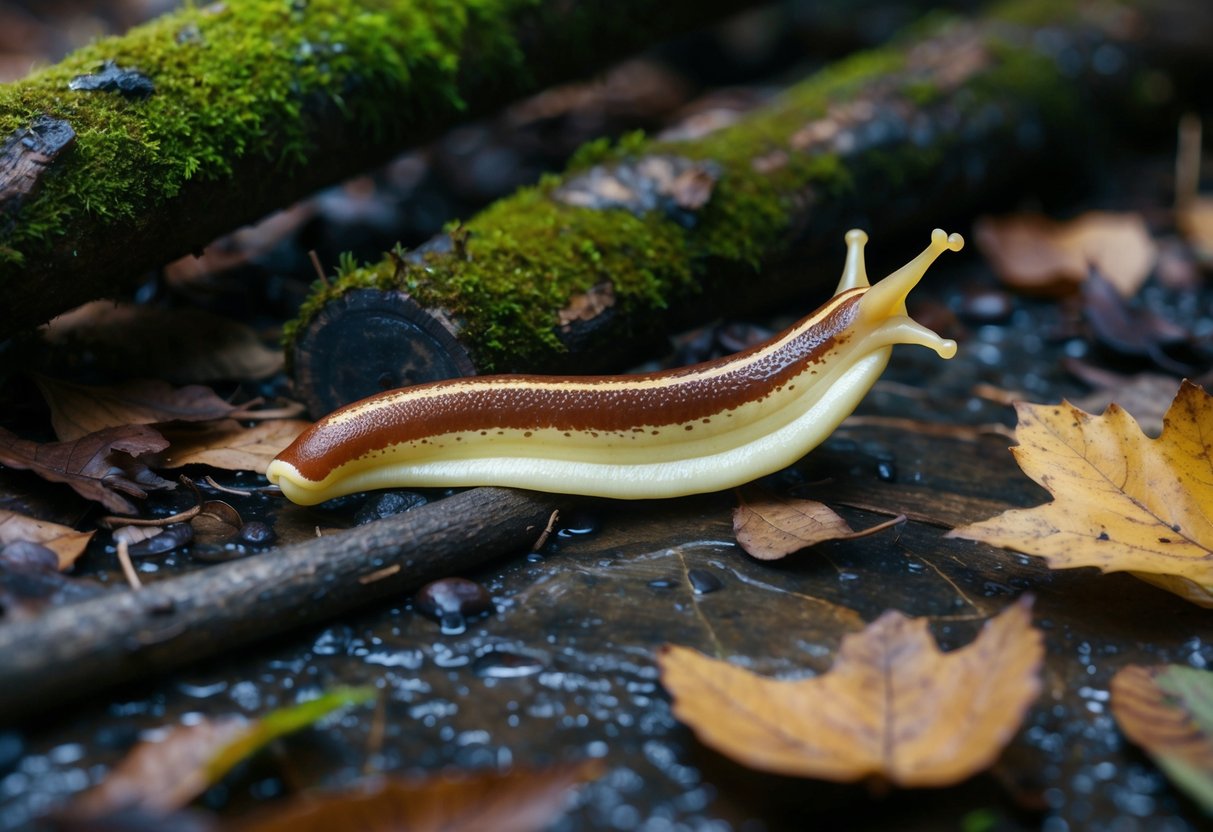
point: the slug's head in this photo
(882, 308)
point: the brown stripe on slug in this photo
(585, 404)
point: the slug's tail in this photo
(884, 305)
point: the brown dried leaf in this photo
(517, 801)
(1168, 711)
(229, 445)
(1127, 329)
(1036, 254)
(167, 774)
(1122, 501)
(67, 543)
(164, 775)
(1145, 395)
(769, 527)
(892, 707)
(97, 466)
(218, 522)
(182, 345)
(80, 409)
(1195, 220)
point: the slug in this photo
(685, 431)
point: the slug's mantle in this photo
(684, 431)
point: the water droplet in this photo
(503, 664)
(886, 470)
(256, 533)
(579, 523)
(704, 581)
(662, 583)
(453, 599)
(453, 623)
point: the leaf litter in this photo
(770, 527)
(893, 708)
(1168, 711)
(1122, 502)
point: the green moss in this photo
(232, 80)
(528, 254)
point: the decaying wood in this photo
(926, 131)
(98, 252)
(77, 649)
(25, 156)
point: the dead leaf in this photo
(217, 522)
(769, 527)
(97, 466)
(182, 345)
(1195, 220)
(1122, 501)
(892, 707)
(1168, 711)
(1128, 329)
(1145, 395)
(229, 445)
(80, 409)
(517, 801)
(1040, 255)
(67, 543)
(167, 774)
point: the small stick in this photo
(315, 258)
(128, 568)
(547, 531)
(73, 650)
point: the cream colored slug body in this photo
(686, 431)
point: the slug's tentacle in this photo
(685, 431)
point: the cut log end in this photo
(368, 341)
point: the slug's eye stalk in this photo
(884, 305)
(854, 272)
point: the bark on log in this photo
(211, 117)
(584, 271)
(77, 649)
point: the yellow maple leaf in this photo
(1122, 501)
(893, 707)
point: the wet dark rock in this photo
(386, 504)
(579, 523)
(129, 83)
(172, 537)
(704, 581)
(451, 601)
(256, 533)
(27, 556)
(503, 664)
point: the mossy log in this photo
(212, 116)
(579, 272)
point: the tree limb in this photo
(79, 648)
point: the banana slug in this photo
(685, 431)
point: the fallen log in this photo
(586, 271)
(214, 115)
(77, 649)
